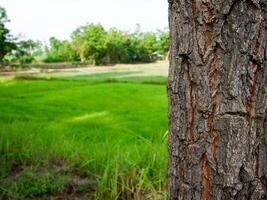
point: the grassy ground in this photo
(83, 135)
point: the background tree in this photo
(6, 44)
(147, 46)
(25, 51)
(217, 91)
(150, 42)
(118, 46)
(163, 42)
(60, 51)
(90, 42)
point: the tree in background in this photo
(6, 44)
(97, 46)
(146, 46)
(150, 42)
(217, 92)
(118, 47)
(26, 51)
(60, 51)
(163, 43)
(90, 42)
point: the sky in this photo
(42, 19)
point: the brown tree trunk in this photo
(217, 92)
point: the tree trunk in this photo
(217, 92)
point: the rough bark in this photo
(217, 92)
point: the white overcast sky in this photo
(41, 19)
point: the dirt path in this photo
(151, 69)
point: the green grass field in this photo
(92, 136)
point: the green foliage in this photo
(150, 42)
(93, 44)
(6, 44)
(124, 47)
(90, 42)
(26, 51)
(145, 46)
(163, 42)
(118, 47)
(60, 51)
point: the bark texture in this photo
(217, 92)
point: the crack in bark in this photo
(257, 167)
(255, 59)
(185, 59)
(208, 18)
(254, 3)
(257, 43)
(193, 110)
(194, 8)
(206, 180)
(213, 84)
(193, 113)
(200, 53)
(237, 113)
(252, 92)
(231, 8)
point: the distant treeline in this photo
(90, 44)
